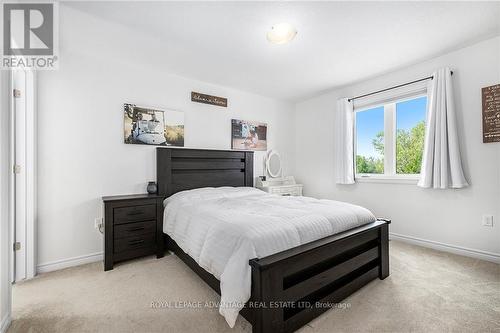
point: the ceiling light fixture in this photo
(281, 33)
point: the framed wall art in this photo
(248, 135)
(149, 126)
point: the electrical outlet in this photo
(487, 220)
(98, 223)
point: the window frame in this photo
(390, 122)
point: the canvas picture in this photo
(248, 135)
(153, 127)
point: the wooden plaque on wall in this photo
(208, 99)
(491, 114)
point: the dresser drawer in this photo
(134, 229)
(287, 190)
(134, 213)
(297, 191)
(135, 243)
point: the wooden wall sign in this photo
(208, 99)
(491, 114)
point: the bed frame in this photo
(292, 287)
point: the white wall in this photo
(447, 216)
(81, 154)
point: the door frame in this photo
(5, 236)
(23, 152)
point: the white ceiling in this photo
(337, 42)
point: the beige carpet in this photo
(428, 291)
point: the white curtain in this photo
(441, 162)
(344, 142)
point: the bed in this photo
(290, 282)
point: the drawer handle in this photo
(136, 242)
(135, 212)
(136, 229)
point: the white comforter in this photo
(223, 228)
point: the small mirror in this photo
(273, 164)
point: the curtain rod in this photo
(398, 86)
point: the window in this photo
(390, 138)
(370, 141)
(410, 132)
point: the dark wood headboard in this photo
(179, 169)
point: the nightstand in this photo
(132, 227)
(285, 186)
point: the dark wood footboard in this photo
(292, 287)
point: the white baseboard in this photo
(69, 262)
(479, 254)
(464, 251)
(4, 325)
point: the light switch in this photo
(488, 220)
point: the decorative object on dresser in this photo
(152, 188)
(275, 182)
(274, 168)
(132, 227)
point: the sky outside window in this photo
(368, 124)
(409, 113)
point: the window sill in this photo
(387, 180)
